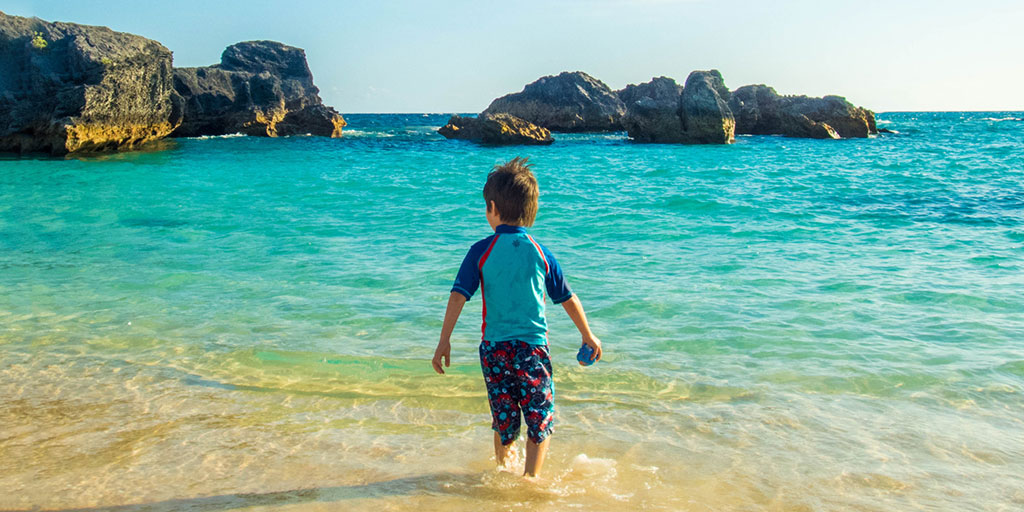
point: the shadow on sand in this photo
(433, 484)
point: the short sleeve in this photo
(468, 279)
(557, 288)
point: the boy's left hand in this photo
(444, 350)
(595, 345)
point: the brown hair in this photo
(513, 188)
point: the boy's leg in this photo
(497, 365)
(535, 456)
(502, 453)
(537, 400)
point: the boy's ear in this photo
(493, 210)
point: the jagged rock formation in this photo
(568, 102)
(759, 110)
(706, 112)
(652, 110)
(68, 88)
(503, 129)
(260, 88)
(697, 113)
(704, 109)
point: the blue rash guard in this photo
(514, 274)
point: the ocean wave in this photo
(365, 133)
(420, 130)
(225, 136)
(998, 119)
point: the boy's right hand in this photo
(444, 350)
(595, 344)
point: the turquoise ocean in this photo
(235, 323)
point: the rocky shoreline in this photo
(70, 88)
(260, 88)
(702, 111)
(75, 88)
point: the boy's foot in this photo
(511, 460)
(531, 479)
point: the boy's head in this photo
(511, 193)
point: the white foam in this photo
(423, 129)
(585, 475)
(363, 133)
(225, 136)
(583, 465)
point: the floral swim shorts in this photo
(519, 385)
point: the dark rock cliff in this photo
(69, 88)
(652, 110)
(759, 110)
(260, 88)
(662, 111)
(568, 102)
(704, 109)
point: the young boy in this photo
(514, 274)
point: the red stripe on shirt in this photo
(539, 251)
(547, 268)
(483, 296)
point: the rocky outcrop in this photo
(67, 88)
(697, 113)
(706, 112)
(759, 110)
(568, 102)
(704, 109)
(259, 88)
(652, 111)
(500, 129)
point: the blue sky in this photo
(455, 56)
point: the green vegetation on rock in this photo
(38, 42)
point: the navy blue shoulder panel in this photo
(558, 289)
(467, 281)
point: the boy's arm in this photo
(575, 311)
(451, 315)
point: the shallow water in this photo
(241, 323)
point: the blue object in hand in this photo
(586, 355)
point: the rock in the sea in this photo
(652, 111)
(568, 102)
(68, 88)
(259, 88)
(704, 109)
(662, 111)
(759, 110)
(501, 129)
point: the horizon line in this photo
(450, 112)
